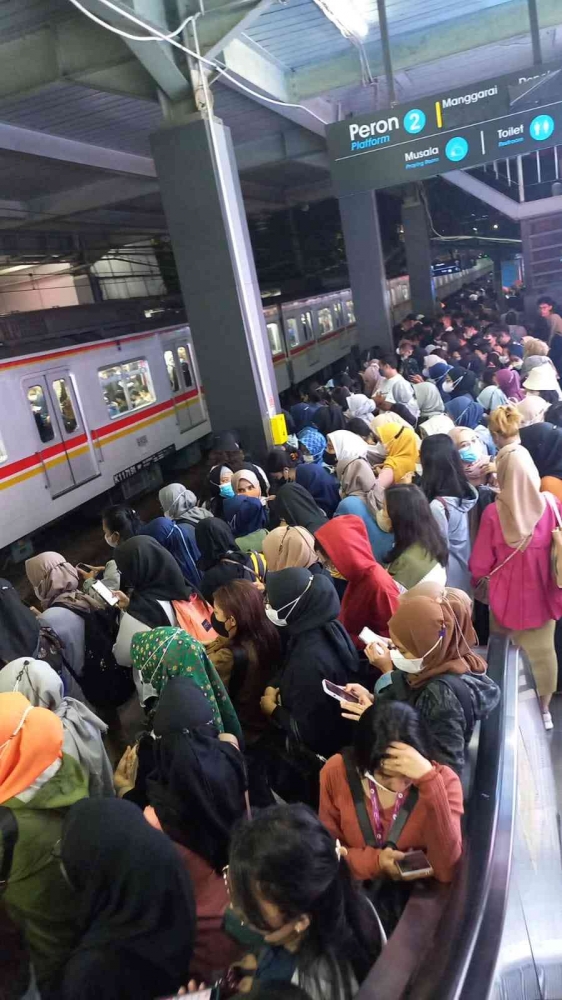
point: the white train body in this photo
(76, 421)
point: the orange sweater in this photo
(434, 826)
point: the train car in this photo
(78, 421)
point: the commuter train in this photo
(81, 419)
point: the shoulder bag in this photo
(556, 543)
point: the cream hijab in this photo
(520, 504)
(289, 547)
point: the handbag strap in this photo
(9, 831)
(554, 507)
(358, 796)
(400, 822)
(510, 556)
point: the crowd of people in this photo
(305, 641)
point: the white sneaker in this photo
(547, 719)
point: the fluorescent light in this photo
(345, 15)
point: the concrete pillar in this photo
(418, 254)
(363, 247)
(207, 223)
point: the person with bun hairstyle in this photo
(512, 553)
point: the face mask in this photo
(468, 455)
(219, 627)
(282, 481)
(110, 542)
(448, 386)
(308, 458)
(330, 458)
(226, 490)
(517, 364)
(412, 666)
(274, 616)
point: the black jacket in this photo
(444, 715)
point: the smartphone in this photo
(339, 693)
(105, 593)
(414, 865)
(210, 993)
(368, 636)
(84, 566)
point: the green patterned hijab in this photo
(163, 653)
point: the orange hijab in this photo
(30, 741)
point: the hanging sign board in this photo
(512, 114)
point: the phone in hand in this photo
(105, 593)
(414, 865)
(368, 636)
(85, 567)
(339, 693)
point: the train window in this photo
(170, 362)
(350, 310)
(40, 412)
(185, 367)
(65, 405)
(126, 387)
(306, 325)
(325, 320)
(338, 315)
(292, 332)
(275, 337)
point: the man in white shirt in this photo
(390, 379)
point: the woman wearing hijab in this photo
(291, 548)
(360, 498)
(153, 579)
(459, 382)
(180, 505)
(179, 542)
(405, 400)
(246, 512)
(196, 791)
(329, 418)
(164, 653)
(57, 585)
(532, 410)
(318, 647)
(432, 666)
(371, 595)
(510, 384)
(347, 446)
(402, 454)
(491, 396)
(313, 445)
(473, 455)
(436, 371)
(136, 912)
(429, 400)
(19, 627)
(544, 444)
(512, 551)
(83, 731)
(285, 467)
(359, 405)
(294, 505)
(222, 560)
(38, 783)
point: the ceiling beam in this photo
(222, 21)
(507, 21)
(55, 147)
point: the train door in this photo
(187, 398)
(63, 443)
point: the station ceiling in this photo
(78, 103)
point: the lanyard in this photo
(378, 824)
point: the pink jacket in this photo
(523, 593)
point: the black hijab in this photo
(154, 575)
(318, 607)
(329, 418)
(215, 540)
(19, 628)
(135, 899)
(467, 384)
(198, 783)
(296, 506)
(544, 442)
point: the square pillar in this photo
(365, 260)
(418, 255)
(206, 219)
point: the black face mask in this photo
(219, 627)
(330, 459)
(280, 482)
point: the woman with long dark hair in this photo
(392, 759)
(221, 559)
(420, 552)
(289, 879)
(246, 653)
(451, 498)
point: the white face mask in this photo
(273, 614)
(415, 665)
(448, 386)
(308, 458)
(110, 542)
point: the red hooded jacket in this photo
(371, 596)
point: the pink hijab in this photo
(510, 384)
(55, 579)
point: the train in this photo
(81, 419)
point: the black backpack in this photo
(104, 682)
